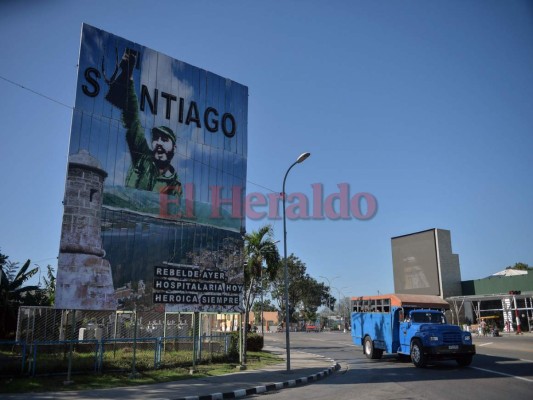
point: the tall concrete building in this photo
(423, 263)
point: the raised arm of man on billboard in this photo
(151, 167)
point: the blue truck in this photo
(409, 325)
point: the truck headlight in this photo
(434, 338)
(468, 338)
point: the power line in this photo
(113, 119)
(36, 92)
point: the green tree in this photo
(345, 307)
(3, 274)
(44, 296)
(50, 285)
(267, 306)
(520, 266)
(262, 263)
(306, 294)
(13, 293)
(313, 295)
(3, 261)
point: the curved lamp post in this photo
(300, 159)
(341, 306)
(329, 287)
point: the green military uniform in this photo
(143, 173)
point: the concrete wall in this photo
(270, 320)
(423, 263)
(449, 269)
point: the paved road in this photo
(502, 369)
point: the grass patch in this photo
(55, 383)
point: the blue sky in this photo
(424, 104)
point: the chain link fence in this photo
(50, 341)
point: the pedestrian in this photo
(483, 327)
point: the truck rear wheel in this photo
(418, 357)
(464, 361)
(370, 351)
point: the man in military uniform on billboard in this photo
(151, 167)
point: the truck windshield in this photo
(431, 318)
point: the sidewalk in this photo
(305, 368)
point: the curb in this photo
(266, 388)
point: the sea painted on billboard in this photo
(169, 144)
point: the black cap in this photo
(163, 130)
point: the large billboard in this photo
(156, 181)
(415, 263)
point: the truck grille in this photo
(451, 337)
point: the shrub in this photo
(254, 342)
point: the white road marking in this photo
(504, 374)
(484, 344)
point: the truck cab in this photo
(425, 335)
(411, 325)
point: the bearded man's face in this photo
(162, 150)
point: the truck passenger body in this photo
(411, 325)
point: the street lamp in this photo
(329, 287)
(299, 160)
(341, 306)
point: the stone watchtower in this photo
(84, 280)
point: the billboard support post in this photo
(195, 339)
(133, 366)
(242, 336)
(71, 349)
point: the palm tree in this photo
(45, 296)
(12, 292)
(260, 252)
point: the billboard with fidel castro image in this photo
(172, 141)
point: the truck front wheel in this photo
(464, 361)
(370, 351)
(418, 357)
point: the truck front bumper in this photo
(450, 350)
